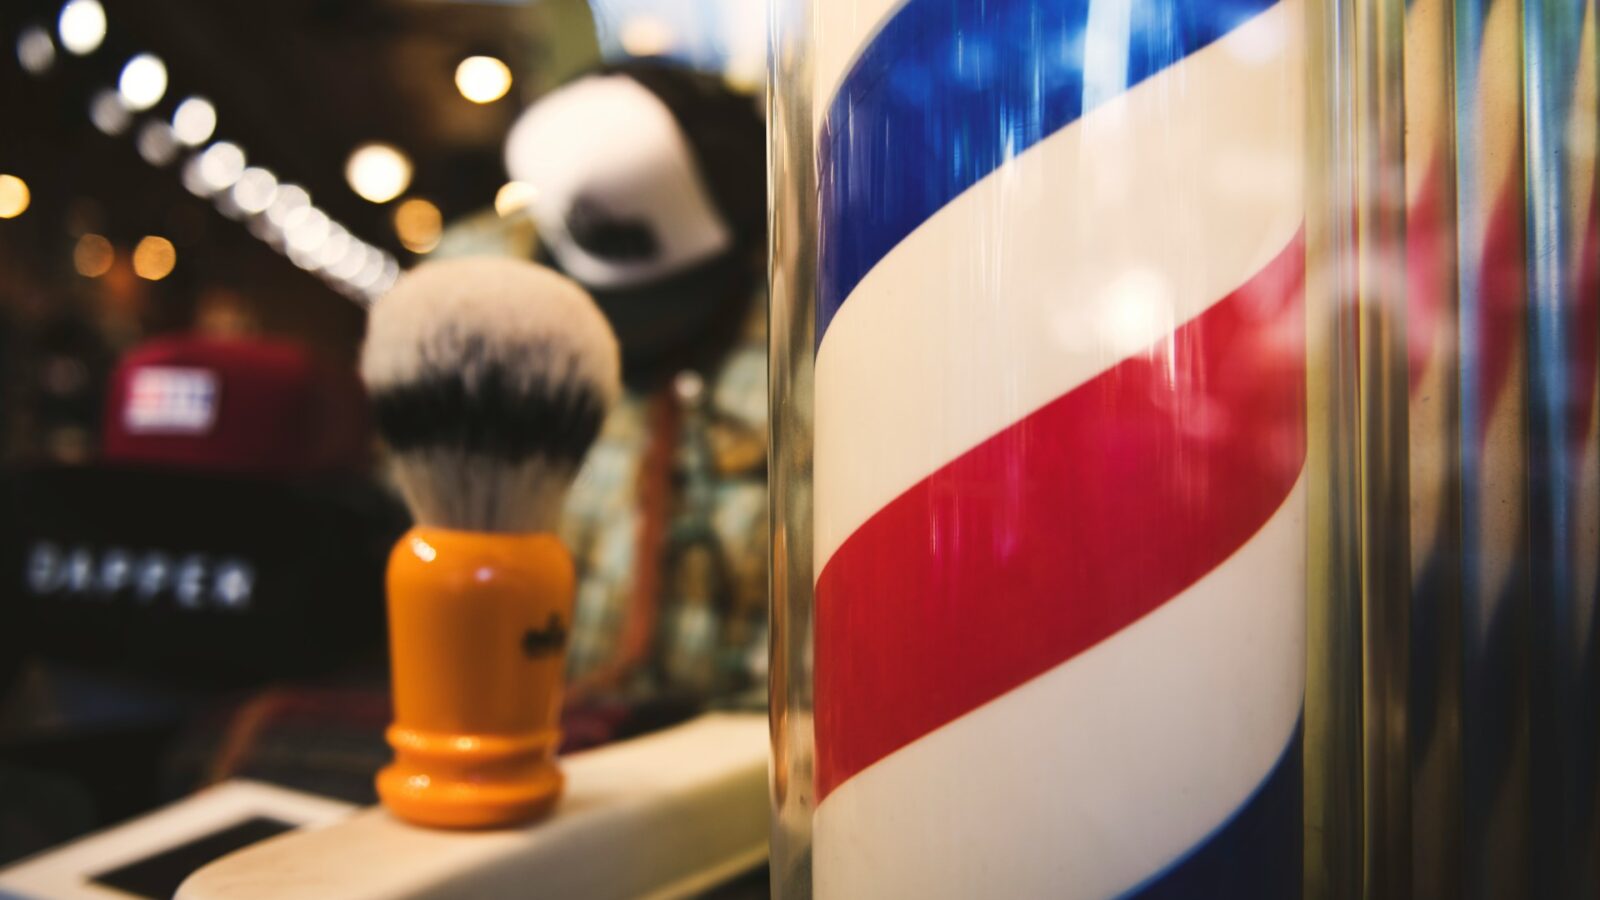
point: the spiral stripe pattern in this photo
(1495, 576)
(1060, 442)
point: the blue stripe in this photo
(949, 90)
(1430, 594)
(1255, 854)
(1472, 215)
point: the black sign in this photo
(191, 581)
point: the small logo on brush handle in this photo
(547, 640)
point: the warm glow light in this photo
(143, 82)
(154, 258)
(157, 144)
(378, 172)
(221, 165)
(92, 256)
(256, 190)
(82, 26)
(419, 224)
(109, 113)
(646, 35)
(513, 197)
(35, 51)
(14, 196)
(194, 121)
(483, 79)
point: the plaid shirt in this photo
(709, 614)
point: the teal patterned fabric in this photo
(709, 639)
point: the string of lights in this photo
(280, 214)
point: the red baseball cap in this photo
(244, 406)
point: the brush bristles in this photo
(489, 379)
(473, 494)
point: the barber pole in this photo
(1494, 446)
(1433, 408)
(1060, 447)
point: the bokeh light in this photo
(255, 190)
(82, 26)
(333, 247)
(35, 51)
(221, 165)
(156, 143)
(109, 112)
(14, 196)
(351, 263)
(306, 228)
(194, 120)
(418, 224)
(154, 258)
(483, 79)
(143, 82)
(290, 197)
(92, 256)
(371, 272)
(378, 172)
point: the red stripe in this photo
(1585, 347)
(1064, 528)
(1430, 270)
(1501, 303)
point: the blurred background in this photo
(225, 187)
(141, 138)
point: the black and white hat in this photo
(650, 191)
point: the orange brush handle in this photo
(477, 644)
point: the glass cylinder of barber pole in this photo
(1040, 463)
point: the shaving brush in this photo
(489, 380)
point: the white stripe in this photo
(1427, 89)
(1100, 773)
(1501, 498)
(1082, 251)
(1502, 472)
(1432, 444)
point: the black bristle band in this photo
(493, 416)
